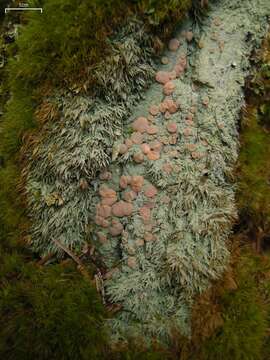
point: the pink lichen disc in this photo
(172, 106)
(137, 183)
(101, 221)
(150, 191)
(108, 195)
(187, 131)
(163, 77)
(103, 210)
(139, 242)
(154, 110)
(153, 155)
(124, 181)
(152, 130)
(131, 262)
(116, 228)
(138, 157)
(128, 143)
(179, 69)
(155, 145)
(104, 191)
(122, 208)
(148, 237)
(140, 124)
(136, 138)
(172, 127)
(191, 147)
(174, 44)
(108, 200)
(169, 88)
(167, 168)
(167, 115)
(173, 139)
(123, 149)
(205, 101)
(129, 196)
(193, 109)
(196, 155)
(145, 213)
(162, 107)
(189, 36)
(145, 148)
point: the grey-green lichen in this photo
(74, 148)
(159, 264)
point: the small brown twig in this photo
(46, 258)
(76, 259)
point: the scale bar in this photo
(23, 9)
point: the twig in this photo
(45, 259)
(76, 259)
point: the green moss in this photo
(70, 37)
(254, 160)
(255, 169)
(244, 314)
(50, 313)
(17, 119)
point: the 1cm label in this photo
(23, 5)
